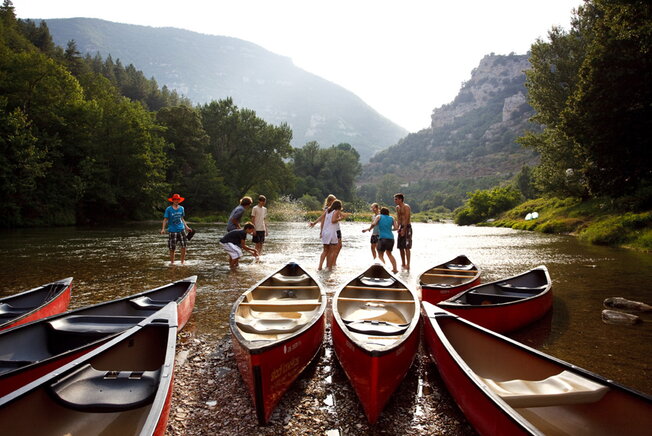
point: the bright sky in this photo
(402, 57)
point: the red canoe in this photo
(277, 328)
(505, 305)
(506, 388)
(449, 278)
(375, 329)
(32, 350)
(35, 304)
(123, 387)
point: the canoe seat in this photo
(563, 388)
(93, 324)
(377, 281)
(268, 326)
(508, 289)
(290, 280)
(146, 302)
(459, 266)
(106, 391)
(8, 310)
(378, 328)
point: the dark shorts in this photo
(385, 245)
(177, 238)
(405, 241)
(339, 234)
(374, 239)
(259, 237)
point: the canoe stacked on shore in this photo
(30, 351)
(375, 330)
(506, 388)
(449, 278)
(37, 303)
(123, 387)
(278, 328)
(505, 305)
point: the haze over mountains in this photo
(207, 67)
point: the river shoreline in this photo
(210, 398)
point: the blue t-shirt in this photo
(175, 225)
(385, 227)
(237, 214)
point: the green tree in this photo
(249, 152)
(192, 169)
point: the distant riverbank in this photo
(597, 222)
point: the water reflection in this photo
(112, 262)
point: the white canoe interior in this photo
(279, 307)
(547, 394)
(376, 311)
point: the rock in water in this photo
(619, 318)
(623, 303)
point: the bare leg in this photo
(323, 256)
(336, 252)
(331, 257)
(373, 250)
(259, 247)
(407, 257)
(390, 256)
(402, 251)
(183, 256)
(171, 257)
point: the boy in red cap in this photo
(177, 227)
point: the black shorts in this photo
(374, 239)
(405, 241)
(339, 234)
(385, 245)
(175, 238)
(259, 237)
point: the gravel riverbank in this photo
(210, 398)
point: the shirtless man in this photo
(404, 244)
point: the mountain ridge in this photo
(207, 67)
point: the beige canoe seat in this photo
(290, 280)
(377, 281)
(269, 326)
(563, 388)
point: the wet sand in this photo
(210, 398)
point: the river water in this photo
(110, 262)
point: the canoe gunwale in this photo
(65, 288)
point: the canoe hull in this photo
(480, 410)
(58, 304)
(269, 374)
(448, 279)
(505, 387)
(32, 343)
(374, 377)
(506, 318)
(505, 305)
(434, 295)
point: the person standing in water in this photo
(176, 226)
(259, 218)
(374, 228)
(404, 243)
(327, 204)
(329, 233)
(385, 224)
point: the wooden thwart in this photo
(454, 270)
(289, 286)
(376, 300)
(281, 303)
(448, 275)
(371, 288)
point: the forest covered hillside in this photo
(208, 67)
(470, 144)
